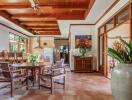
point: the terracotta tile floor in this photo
(79, 86)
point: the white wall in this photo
(48, 40)
(4, 37)
(82, 30)
(123, 31)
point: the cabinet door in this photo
(87, 65)
(78, 64)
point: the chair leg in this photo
(51, 86)
(64, 82)
(27, 83)
(39, 79)
(27, 80)
(12, 87)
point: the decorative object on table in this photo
(122, 73)
(33, 58)
(83, 43)
(84, 50)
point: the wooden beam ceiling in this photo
(44, 18)
(39, 22)
(59, 16)
(28, 6)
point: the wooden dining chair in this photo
(10, 75)
(1, 56)
(47, 80)
(5, 55)
(19, 57)
(11, 57)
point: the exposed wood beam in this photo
(42, 27)
(48, 33)
(46, 29)
(8, 17)
(39, 22)
(25, 6)
(70, 16)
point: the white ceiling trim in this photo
(14, 26)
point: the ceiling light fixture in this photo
(35, 6)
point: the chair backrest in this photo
(11, 55)
(60, 63)
(1, 56)
(19, 55)
(5, 69)
(46, 59)
(5, 54)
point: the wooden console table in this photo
(83, 64)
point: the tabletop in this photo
(27, 65)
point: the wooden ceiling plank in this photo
(6, 6)
(90, 4)
(50, 31)
(42, 27)
(47, 33)
(61, 16)
(46, 29)
(39, 22)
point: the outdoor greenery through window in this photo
(17, 43)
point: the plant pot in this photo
(122, 82)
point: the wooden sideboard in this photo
(83, 64)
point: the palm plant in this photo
(124, 55)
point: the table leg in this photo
(39, 79)
(33, 75)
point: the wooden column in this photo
(130, 8)
(99, 52)
(105, 54)
(30, 45)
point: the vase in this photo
(33, 63)
(121, 82)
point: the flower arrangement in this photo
(33, 58)
(84, 49)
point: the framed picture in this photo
(83, 41)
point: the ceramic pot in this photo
(122, 82)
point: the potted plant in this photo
(121, 81)
(33, 58)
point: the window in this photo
(17, 43)
(22, 45)
(122, 16)
(102, 30)
(13, 42)
(110, 25)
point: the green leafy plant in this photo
(84, 50)
(123, 55)
(33, 58)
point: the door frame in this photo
(104, 69)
